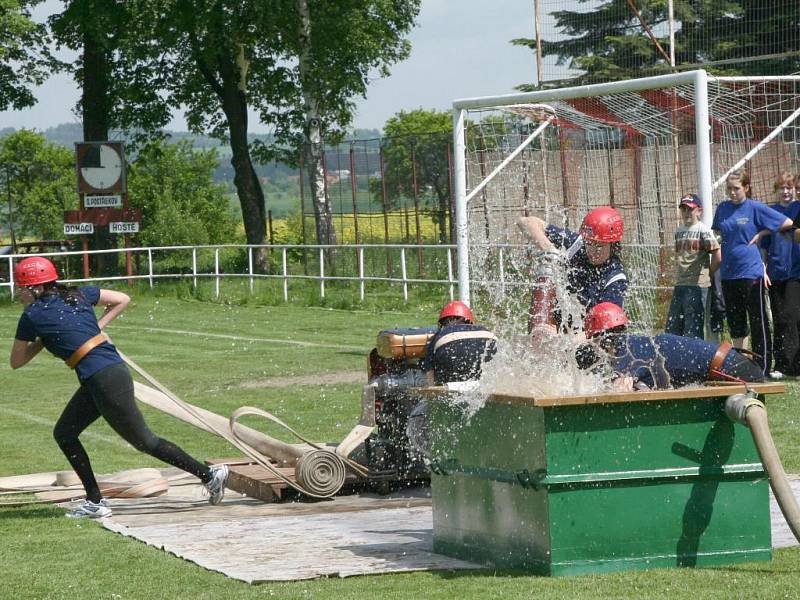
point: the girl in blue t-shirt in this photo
(742, 222)
(61, 319)
(783, 270)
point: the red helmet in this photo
(456, 308)
(602, 224)
(602, 317)
(34, 271)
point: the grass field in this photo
(206, 352)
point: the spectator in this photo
(783, 271)
(697, 256)
(742, 222)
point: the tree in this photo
(421, 136)
(216, 59)
(335, 49)
(174, 187)
(610, 43)
(150, 57)
(24, 59)
(39, 177)
(95, 29)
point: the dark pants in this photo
(740, 367)
(745, 309)
(785, 299)
(687, 311)
(109, 394)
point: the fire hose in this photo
(319, 472)
(751, 412)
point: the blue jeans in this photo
(687, 311)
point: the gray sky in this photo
(460, 48)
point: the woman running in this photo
(62, 320)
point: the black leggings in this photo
(785, 299)
(745, 304)
(109, 394)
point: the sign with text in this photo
(78, 228)
(103, 216)
(102, 201)
(123, 227)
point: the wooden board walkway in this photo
(254, 541)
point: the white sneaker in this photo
(776, 375)
(91, 510)
(216, 485)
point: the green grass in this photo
(47, 556)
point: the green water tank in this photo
(580, 484)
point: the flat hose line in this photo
(320, 473)
(110, 489)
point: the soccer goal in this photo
(638, 145)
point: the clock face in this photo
(101, 167)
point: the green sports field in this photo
(218, 355)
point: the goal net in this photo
(636, 145)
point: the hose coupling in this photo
(548, 264)
(736, 406)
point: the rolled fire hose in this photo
(748, 410)
(319, 470)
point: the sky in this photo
(460, 49)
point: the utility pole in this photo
(538, 24)
(10, 207)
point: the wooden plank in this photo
(686, 393)
(646, 396)
(252, 488)
(254, 480)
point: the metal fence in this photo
(218, 262)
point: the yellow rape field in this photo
(370, 229)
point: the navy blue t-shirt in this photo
(783, 253)
(591, 284)
(738, 224)
(64, 327)
(664, 360)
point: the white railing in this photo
(151, 273)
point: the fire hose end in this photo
(548, 263)
(736, 406)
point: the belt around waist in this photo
(84, 349)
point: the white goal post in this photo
(638, 145)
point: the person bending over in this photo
(459, 348)
(595, 272)
(661, 361)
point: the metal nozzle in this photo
(548, 264)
